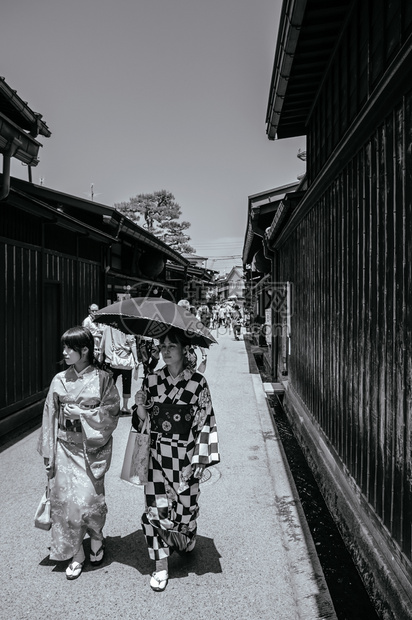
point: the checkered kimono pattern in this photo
(172, 493)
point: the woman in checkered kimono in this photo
(183, 442)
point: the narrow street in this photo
(254, 558)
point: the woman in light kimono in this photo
(79, 417)
(183, 442)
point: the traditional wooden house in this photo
(231, 286)
(59, 253)
(342, 77)
(195, 280)
(257, 267)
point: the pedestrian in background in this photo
(203, 314)
(215, 317)
(79, 417)
(184, 303)
(236, 321)
(119, 351)
(183, 442)
(96, 329)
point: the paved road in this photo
(254, 558)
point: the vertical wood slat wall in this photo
(376, 31)
(23, 320)
(350, 263)
(19, 322)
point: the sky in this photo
(143, 95)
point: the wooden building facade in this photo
(342, 77)
(260, 287)
(58, 254)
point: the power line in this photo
(222, 250)
(215, 258)
(225, 256)
(219, 244)
(228, 249)
(221, 240)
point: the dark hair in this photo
(179, 337)
(78, 337)
(175, 336)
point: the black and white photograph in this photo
(205, 318)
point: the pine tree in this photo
(159, 213)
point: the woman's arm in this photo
(206, 450)
(199, 469)
(47, 439)
(139, 409)
(99, 423)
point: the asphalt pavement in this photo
(254, 559)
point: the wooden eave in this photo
(383, 98)
(191, 271)
(130, 229)
(17, 143)
(286, 207)
(18, 111)
(261, 210)
(120, 276)
(308, 34)
(50, 214)
(93, 214)
(251, 244)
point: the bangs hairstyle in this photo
(177, 337)
(78, 337)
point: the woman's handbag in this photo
(122, 362)
(136, 459)
(121, 357)
(42, 518)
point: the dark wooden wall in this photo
(44, 292)
(350, 262)
(375, 33)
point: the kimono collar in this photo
(82, 372)
(184, 375)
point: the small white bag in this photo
(136, 458)
(42, 518)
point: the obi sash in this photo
(75, 426)
(169, 419)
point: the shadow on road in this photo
(132, 551)
(11, 438)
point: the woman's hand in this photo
(140, 398)
(72, 411)
(137, 421)
(140, 412)
(49, 469)
(199, 469)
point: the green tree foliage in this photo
(159, 214)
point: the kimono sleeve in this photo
(99, 423)
(149, 386)
(206, 450)
(46, 445)
(98, 426)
